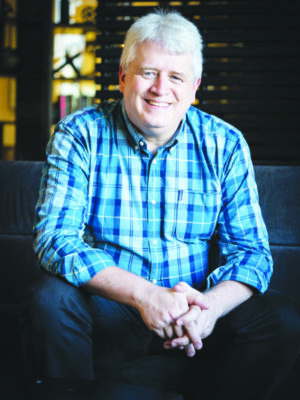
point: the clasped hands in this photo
(180, 315)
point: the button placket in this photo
(153, 217)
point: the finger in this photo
(178, 342)
(182, 287)
(194, 335)
(168, 332)
(160, 333)
(192, 315)
(178, 331)
(190, 350)
(193, 295)
(185, 287)
(168, 345)
(197, 299)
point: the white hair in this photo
(170, 30)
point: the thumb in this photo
(197, 300)
(193, 296)
(182, 287)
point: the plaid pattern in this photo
(105, 200)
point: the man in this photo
(132, 194)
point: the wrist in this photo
(226, 295)
(141, 293)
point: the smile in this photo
(157, 104)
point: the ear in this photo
(196, 86)
(121, 79)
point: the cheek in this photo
(132, 90)
(189, 96)
(183, 97)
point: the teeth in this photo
(154, 103)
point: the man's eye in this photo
(176, 78)
(149, 74)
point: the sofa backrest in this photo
(19, 186)
(279, 190)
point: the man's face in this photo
(158, 89)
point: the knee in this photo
(51, 301)
(288, 318)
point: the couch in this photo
(279, 189)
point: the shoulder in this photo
(222, 144)
(89, 125)
(83, 131)
(96, 115)
(211, 128)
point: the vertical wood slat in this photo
(251, 66)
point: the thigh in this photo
(56, 329)
(71, 324)
(49, 296)
(264, 330)
(119, 333)
(253, 347)
(261, 311)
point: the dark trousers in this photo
(68, 333)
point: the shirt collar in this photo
(138, 139)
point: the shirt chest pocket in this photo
(197, 215)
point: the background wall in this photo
(25, 78)
(251, 70)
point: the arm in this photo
(159, 307)
(246, 263)
(62, 243)
(241, 232)
(199, 323)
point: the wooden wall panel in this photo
(251, 72)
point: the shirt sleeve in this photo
(241, 232)
(59, 224)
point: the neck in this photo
(158, 139)
(154, 143)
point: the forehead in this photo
(153, 55)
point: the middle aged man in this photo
(132, 193)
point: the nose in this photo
(160, 85)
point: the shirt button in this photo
(154, 161)
(141, 143)
(136, 147)
(154, 281)
(153, 202)
(154, 241)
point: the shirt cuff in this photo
(254, 278)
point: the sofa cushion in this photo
(18, 268)
(286, 275)
(279, 192)
(19, 187)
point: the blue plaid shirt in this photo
(106, 200)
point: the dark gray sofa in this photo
(279, 189)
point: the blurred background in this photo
(57, 56)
